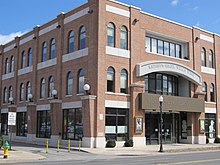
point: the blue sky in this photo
(20, 16)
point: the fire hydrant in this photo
(6, 147)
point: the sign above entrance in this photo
(171, 103)
(170, 67)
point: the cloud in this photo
(9, 37)
(195, 8)
(174, 2)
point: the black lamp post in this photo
(161, 123)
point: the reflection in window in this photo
(212, 93)
(159, 83)
(204, 89)
(23, 59)
(203, 56)
(69, 83)
(52, 48)
(81, 80)
(82, 37)
(110, 79)
(72, 124)
(12, 64)
(71, 42)
(21, 124)
(123, 81)
(210, 125)
(159, 46)
(211, 59)
(111, 35)
(22, 92)
(43, 124)
(116, 125)
(50, 86)
(42, 88)
(6, 66)
(124, 38)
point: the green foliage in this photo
(110, 144)
(1, 141)
(217, 140)
(129, 143)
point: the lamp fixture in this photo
(11, 99)
(86, 88)
(54, 93)
(30, 97)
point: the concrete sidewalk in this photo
(30, 153)
(152, 149)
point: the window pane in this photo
(166, 48)
(154, 45)
(172, 50)
(148, 44)
(160, 47)
(178, 51)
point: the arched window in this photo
(50, 86)
(203, 56)
(124, 81)
(124, 38)
(44, 52)
(81, 80)
(22, 92)
(12, 64)
(71, 42)
(23, 59)
(29, 63)
(6, 66)
(211, 59)
(111, 35)
(212, 93)
(110, 79)
(69, 83)
(5, 100)
(10, 92)
(204, 89)
(82, 37)
(28, 89)
(52, 48)
(42, 88)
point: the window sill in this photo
(80, 94)
(119, 94)
(68, 95)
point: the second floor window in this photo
(22, 92)
(212, 93)
(5, 100)
(124, 38)
(71, 42)
(111, 35)
(23, 60)
(211, 59)
(81, 80)
(29, 63)
(110, 79)
(69, 84)
(123, 81)
(42, 88)
(12, 64)
(6, 66)
(52, 48)
(82, 37)
(203, 57)
(204, 89)
(51, 86)
(28, 89)
(44, 52)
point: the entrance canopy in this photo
(171, 103)
(170, 67)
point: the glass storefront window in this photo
(21, 124)
(72, 124)
(43, 124)
(116, 124)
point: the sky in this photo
(21, 16)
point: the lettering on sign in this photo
(11, 118)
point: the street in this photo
(195, 158)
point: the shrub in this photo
(110, 144)
(129, 143)
(217, 140)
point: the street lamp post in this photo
(161, 123)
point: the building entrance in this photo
(170, 131)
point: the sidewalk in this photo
(152, 149)
(31, 153)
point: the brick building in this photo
(128, 58)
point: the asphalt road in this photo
(198, 158)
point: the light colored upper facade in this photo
(106, 37)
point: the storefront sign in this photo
(168, 66)
(171, 103)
